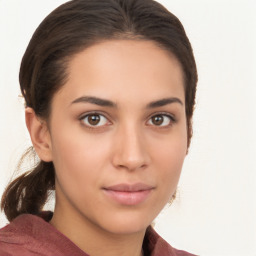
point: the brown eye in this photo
(94, 120)
(157, 120)
(162, 120)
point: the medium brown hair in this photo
(66, 31)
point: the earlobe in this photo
(39, 135)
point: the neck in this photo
(98, 241)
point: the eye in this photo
(94, 120)
(161, 120)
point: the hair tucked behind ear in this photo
(28, 193)
(69, 29)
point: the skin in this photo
(126, 146)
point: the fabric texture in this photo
(30, 235)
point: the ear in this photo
(39, 134)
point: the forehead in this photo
(129, 68)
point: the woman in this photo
(109, 88)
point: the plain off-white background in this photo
(215, 212)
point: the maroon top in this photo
(30, 235)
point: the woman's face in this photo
(118, 135)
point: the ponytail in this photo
(29, 192)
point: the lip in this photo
(128, 194)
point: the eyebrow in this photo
(95, 100)
(163, 102)
(108, 103)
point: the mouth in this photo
(128, 194)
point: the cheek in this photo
(78, 158)
(168, 159)
(78, 165)
(170, 162)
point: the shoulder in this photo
(155, 245)
(16, 238)
(30, 235)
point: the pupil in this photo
(157, 120)
(94, 119)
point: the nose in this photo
(130, 150)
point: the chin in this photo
(127, 223)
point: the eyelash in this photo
(171, 118)
(90, 126)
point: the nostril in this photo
(131, 166)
